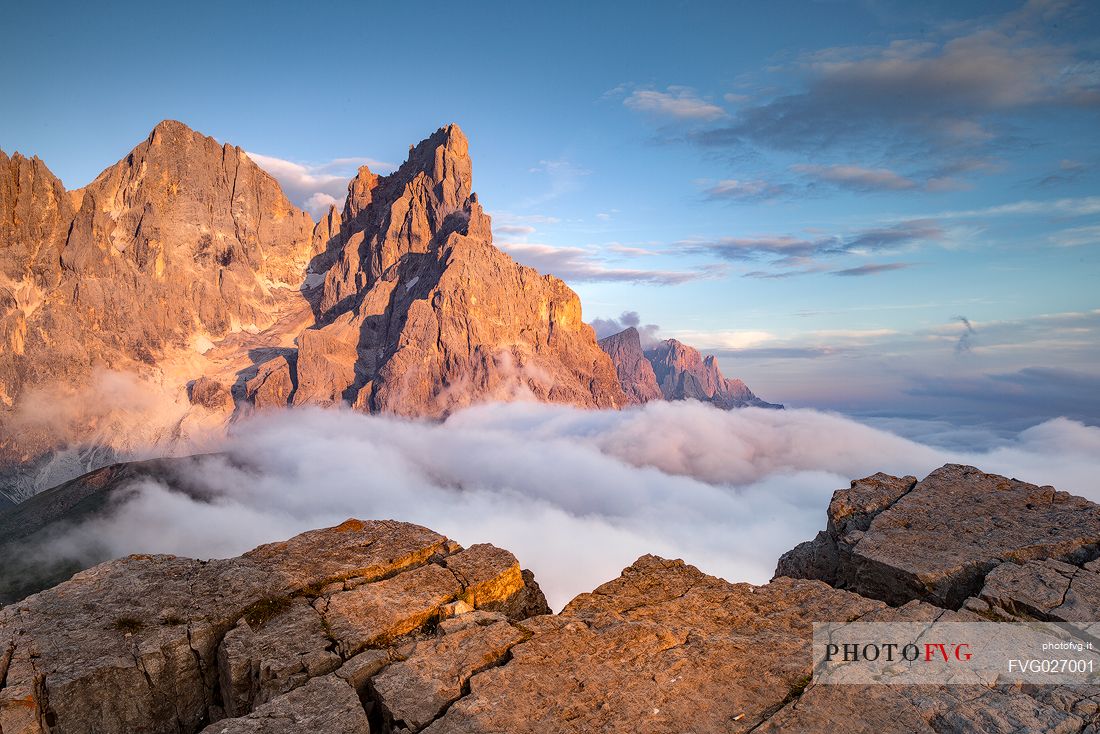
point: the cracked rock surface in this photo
(166, 644)
(898, 539)
(389, 627)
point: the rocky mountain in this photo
(671, 370)
(388, 627)
(422, 315)
(183, 242)
(181, 289)
(683, 373)
(184, 236)
(631, 367)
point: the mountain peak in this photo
(424, 315)
(173, 130)
(683, 373)
(634, 371)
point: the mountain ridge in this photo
(181, 290)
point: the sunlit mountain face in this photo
(507, 368)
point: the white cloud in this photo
(513, 230)
(1077, 207)
(730, 339)
(678, 103)
(1077, 236)
(578, 264)
(577, 495)
(313, 186)
(319, 203)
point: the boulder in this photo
(324, 704)
(210, 394)
(936, 540)
(273, 384)
(166, 644)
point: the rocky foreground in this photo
(388, 627)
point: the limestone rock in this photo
(211, 395)
(850, 513)
(664, 648)
(849, 709)
(392, 624)
(1047, 590)
(682, 373)
(273, 384)
(258, 663)
(183, 238)
(634, 371)
(422, 315)
(374, 615)
(325, 704)
(145, 642)
(937, 539)
(493, 580)
(414, 692)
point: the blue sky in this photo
(820, 192)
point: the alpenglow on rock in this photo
(183, 235)
(285, 638)
(683, 373)
(671, 370)
(184, 238)
(422, 315)
(185, 265)
(632, 368)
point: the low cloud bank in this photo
(576, 495)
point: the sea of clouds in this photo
(577, 495)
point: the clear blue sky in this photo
(817, 191)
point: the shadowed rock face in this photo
(632, 368)
(422, 315)
(682, 373)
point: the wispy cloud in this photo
(563, 176)
(676, 102)
(933, 105)
(1070, 207)
(799, 252)
(1068, 171)
(936, 95)
(711, 341)
(744, 190)
(1077, 236)
(872, 269)
(314, 186)
(895, 235)
(513, 230)
(576, 264)
(857, 178)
